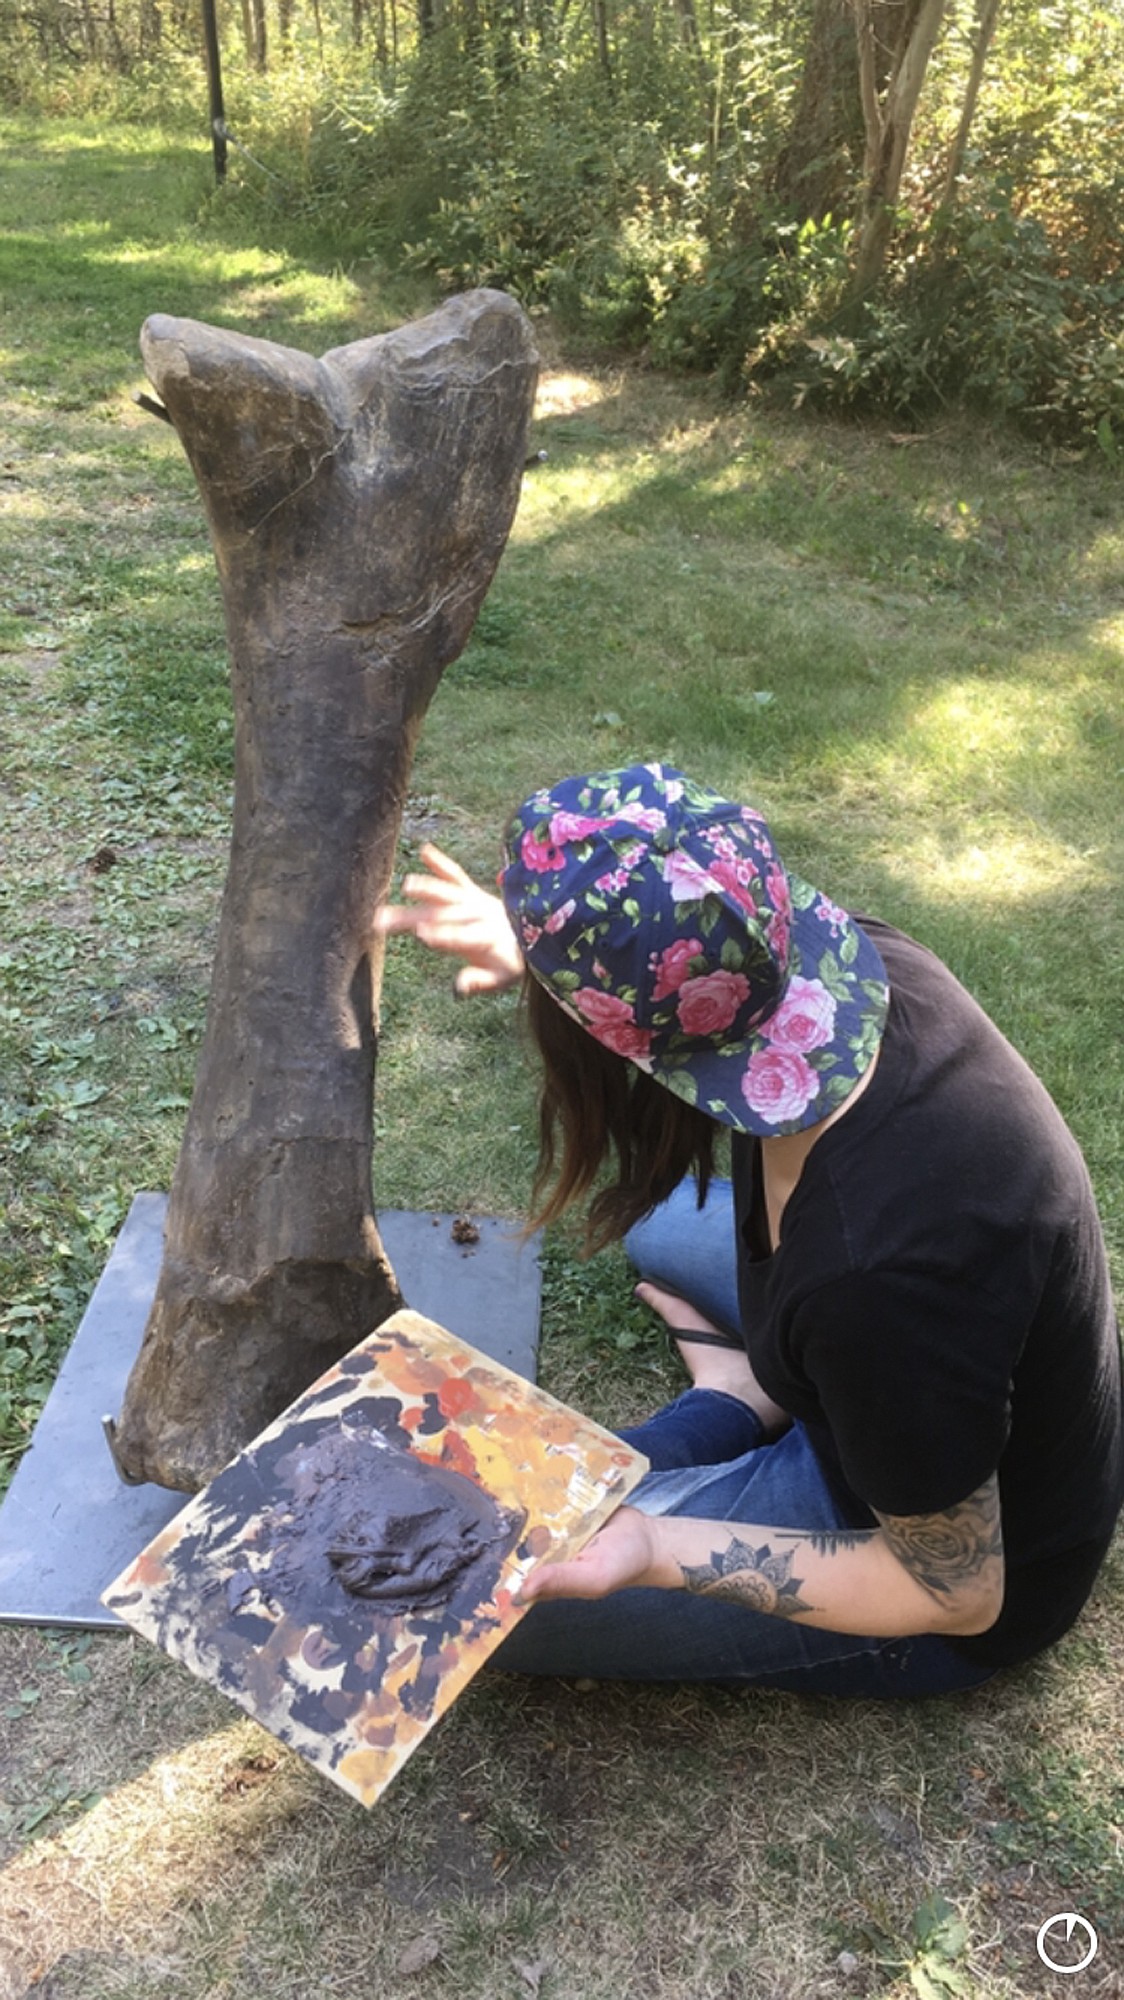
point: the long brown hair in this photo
(595, 1104)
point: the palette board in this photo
(347, 1574)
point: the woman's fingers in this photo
(476, 979)
(445, 887)
(442, 864)
(449, 912)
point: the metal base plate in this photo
(67, 1524)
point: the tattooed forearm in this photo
(954, 1552)
(752, 1577)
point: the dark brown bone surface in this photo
(358, 506)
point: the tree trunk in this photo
(988, 15)
(689, 26)
(888, 117)
(261, 47)
(821, 162)
(118, 56)
(152, 28)
(815, 169)
(214, 88)
(358, 506)
(601, 30)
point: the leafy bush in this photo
(531, 180)
(981, 307)
(790, 277)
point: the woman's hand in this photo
(622, 1555)
(449, 912)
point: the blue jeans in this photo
(711, 1461)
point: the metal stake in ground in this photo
(358, 506)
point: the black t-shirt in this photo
(939, 1305)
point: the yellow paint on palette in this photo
(347, 1574)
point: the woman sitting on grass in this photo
(902, 1455)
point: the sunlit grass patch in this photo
(159, 1842)
(561, 393)
(1012, 870)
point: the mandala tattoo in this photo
(752, 1577)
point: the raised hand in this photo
(448, 911)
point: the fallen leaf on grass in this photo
(424, 1950)
(531, 1972)
(253, 1771)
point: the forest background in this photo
(859, 203)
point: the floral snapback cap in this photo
(661, 917)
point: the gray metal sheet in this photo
(67, 1524)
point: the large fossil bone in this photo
(358, 506)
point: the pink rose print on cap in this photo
(777, 890)
(566, 826)
(778, 1087)
(777, 937)
(671, 967)
(687, 880)
(541, 855)
(649, 819)
(804, 1020)
(560, 917)
(830, 913)
(613, 1023)
(709, 1004)
(641, 875)
(671, 782)
(736, 877)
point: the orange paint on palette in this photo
(363, 1771)
(148, 1571)
(447, 1658)
(405, 1368)
(456, 1454)
(410, 1419)
(457, 1396)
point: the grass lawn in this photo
(909, 652)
